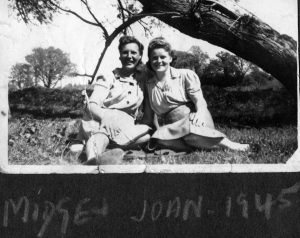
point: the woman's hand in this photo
(110, 123)
(198, 118)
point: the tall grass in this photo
(44, 121)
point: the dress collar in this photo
(175, 73)
(117, 74)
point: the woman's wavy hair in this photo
(158, 43)
(124, 40)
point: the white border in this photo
(152, 169)
(292, 165)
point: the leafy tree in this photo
(222, 23)
(182, 59)
(228, 68)
(194, 59)
(49, 65)
(21, 75)
(258, 77)
(202, 59)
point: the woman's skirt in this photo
(178, 124)
(128, 132)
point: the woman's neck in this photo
(162, 76)
(126, 72)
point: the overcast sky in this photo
(84, 43)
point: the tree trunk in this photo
(224, 23)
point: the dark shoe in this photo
(168, 152)
(134, 154)
(150, 147)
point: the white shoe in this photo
(76, 148)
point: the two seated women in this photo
(173, 96)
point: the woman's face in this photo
(130, 56)
(160, 60)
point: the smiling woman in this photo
(116, 98)
(176, 97)
(248, 113)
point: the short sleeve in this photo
(192, 82)
(193, 87)
(105, 81)
(102, 87)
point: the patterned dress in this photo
(124, 96)
(172, 102)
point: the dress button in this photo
(129, 92)
(127, 102)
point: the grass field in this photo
(44, 121)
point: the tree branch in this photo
(119, 29)
(122, 10)
(76, 14)
(145, 26)
(105, 33)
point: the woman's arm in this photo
(96, 101)
(201, 116)
(102, 115)
(148, 116)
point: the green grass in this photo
(44, 121)
(44, 141)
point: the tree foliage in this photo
(202, 59)
(44, 66)
(227, 68)
(128, 12)
(21, 75)
(222, 23)
(194, 59)
(34, 10)
(49, 65)
(182, 59)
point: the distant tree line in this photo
(43, 67)
(46, 67)
(223, 71)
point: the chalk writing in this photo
(228, 206)
(175, 208)
(196, 208)
(82, 212)
(241, 200)
(50, 209)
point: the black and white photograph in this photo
(142, 83)
(149, 118)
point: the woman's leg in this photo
(202, 142)
(96, 145)
(137, 145)
(228, 144)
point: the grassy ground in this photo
(264, 118)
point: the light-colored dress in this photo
(172, 103)
(124, 97)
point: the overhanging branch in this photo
(105, 33)
(76, 14)
(119, 29)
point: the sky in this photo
(84, 43)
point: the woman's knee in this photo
(96, 145)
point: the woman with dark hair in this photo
(113, 106)
(175, 96)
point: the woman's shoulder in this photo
(105, 79)
(185, 73)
